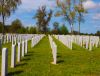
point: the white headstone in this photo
(26, 47)
(12, 40)
(87, 44)
(32, 42)
(90, 46)
(19, 55)
(4, 65)
(13, 56)
(23, 48)
(15, 41)
(55, 54)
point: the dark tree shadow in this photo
(21, 64)
(26, 59)
(28, 55)
(31, 52)
(58, 56)
(60, 61)
(13, 73)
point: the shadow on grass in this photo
(60, 61)
(77, 47)
(26, 59)
(13, 73)
(58, 56)
(28, 55)
(21, 64)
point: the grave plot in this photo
(36, 39)
(65, 39)
(37, 59)
(54, 50)
(15, 56)
(78, 62)
(15, 38)
(87, 42)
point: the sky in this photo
(28, 9)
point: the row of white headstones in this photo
(54, 50)
(15, 37)
(87, 42)
(24, 41)
(36, 40)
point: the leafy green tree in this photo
(16, 25)
(6, 7)
(7, 28)
(98, 33)
(56, 28)
(63, 30)
(22, 30)
(55, 25)
(32, 30)
(75, 32)
(43, 18)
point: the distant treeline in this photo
(17, 27)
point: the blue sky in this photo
(28, 8)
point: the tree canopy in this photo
(43, 18)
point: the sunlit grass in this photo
(76, 62)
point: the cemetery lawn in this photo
(76, 62)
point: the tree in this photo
(55, 25)
(98, 33)
(63, 30)
(56, 28)
(43, 18)
(0, 27)
(22, 30)
(6, 7)
(16, 25)
(32, 30)
(67, 11)
(80, 11)
(70, 9)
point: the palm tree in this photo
(6, 7)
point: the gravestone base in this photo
(54, 63)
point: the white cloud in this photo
(29, 5)
(89, 4)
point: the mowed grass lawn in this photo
(76, 62)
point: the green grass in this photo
(35, 63)
(76, 62)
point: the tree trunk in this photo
(3, 22)
(3, 18)
(79, 28)
(72, 29)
